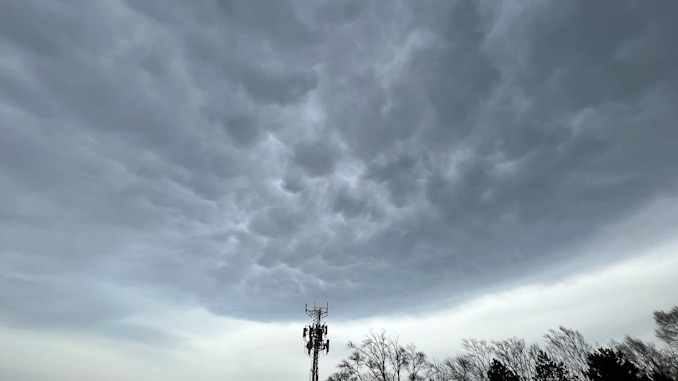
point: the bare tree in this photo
(437, 372)
(461, 368)
(667, 327)
(657, 363)
(569, 347)
(667, 331)
(517, 356)
(374, 354)
(350, 369)
(417, 363)
(397, 356)
(380, 357)
(651, 361)
(480, 354)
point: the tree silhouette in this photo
(416, 363)
(569, 347)
(564, 356)
(499, 372)
(380, 357)
(457, 368)
(548, 370)
(659, 363)
(480, 353)
(517, 356)
(607, 365)
(667, 329)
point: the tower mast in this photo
(315, 336)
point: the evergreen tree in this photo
(608, 365)
(548, 370)
(499, 372)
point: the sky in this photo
(179, 179)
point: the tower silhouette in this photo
(315, 337)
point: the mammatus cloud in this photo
(248, 158)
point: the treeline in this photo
(563, 356)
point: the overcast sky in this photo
(178, 179)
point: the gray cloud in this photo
(254, 157)
(315, 158)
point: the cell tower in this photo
(315, 336)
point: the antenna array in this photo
(315, 336)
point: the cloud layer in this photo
(249, 157)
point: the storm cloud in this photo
(249, 157)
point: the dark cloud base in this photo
(250, 158)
